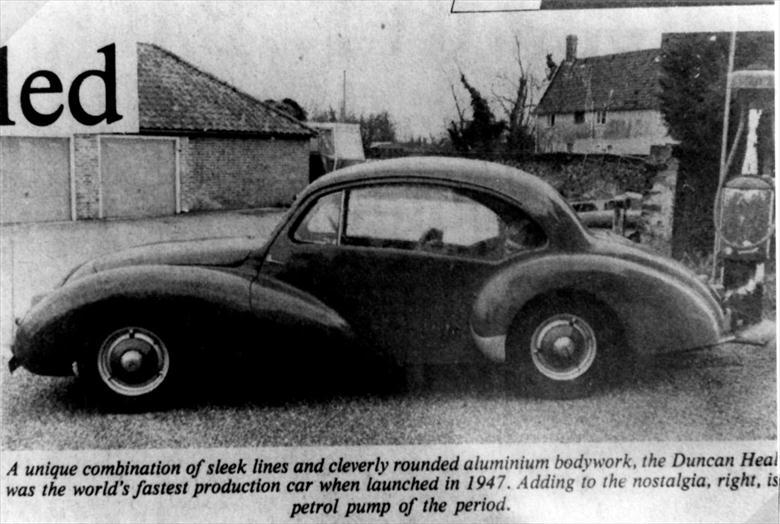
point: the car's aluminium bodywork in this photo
(659, 308)
(47, 341)
(407, 303)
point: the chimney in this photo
(571, 48)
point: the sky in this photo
(400, 57)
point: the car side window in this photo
(521, 233)
(320, 225)
(436, 219)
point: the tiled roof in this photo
(174, 95)
(621, 81)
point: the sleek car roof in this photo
(510, 181)
(534, 195)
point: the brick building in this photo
(202, 144)
(603, 104)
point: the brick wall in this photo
(87, 176)
(224, 173)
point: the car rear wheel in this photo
(561, 348)
(129, 365)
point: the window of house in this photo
(437, 220)
(320, 225)
(551, 119)
(579, 117)
(601, 117)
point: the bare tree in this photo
(460, 125)
(518, 103)
(482, 133)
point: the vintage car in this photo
(417, 260)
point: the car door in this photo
(402, 262)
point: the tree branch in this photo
(461, 118)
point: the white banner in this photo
(607, 482)
(67, 73)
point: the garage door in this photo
(35, 175)
(138, 177)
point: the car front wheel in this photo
(128, 366)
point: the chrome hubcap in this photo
(133, 361)
(563, 347)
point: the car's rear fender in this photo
(54, 330)
(656, 311)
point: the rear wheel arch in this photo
(571, 295)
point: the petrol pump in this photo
(744, 206)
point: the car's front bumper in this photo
(13, 364)
(759, 334)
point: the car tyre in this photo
(129, 365)
(562, 348)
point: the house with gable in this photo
(240, 151)
(603, 104)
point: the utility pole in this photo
(344, 97)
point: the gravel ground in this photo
(727, 393)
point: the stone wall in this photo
(658, 208)
(585, 177)
(579, 177)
